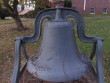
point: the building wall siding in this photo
(99, 5)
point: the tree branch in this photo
(15, 3)
(6, 3)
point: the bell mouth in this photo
(58, 72)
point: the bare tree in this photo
(14, 13)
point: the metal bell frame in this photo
(50, 13)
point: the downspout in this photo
(84, 5)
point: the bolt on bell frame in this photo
(59, 59)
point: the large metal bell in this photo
(58, 59)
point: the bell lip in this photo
(65, 80)
(85, 74)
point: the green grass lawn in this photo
(6, 21)
(9, 20)
(94, 26)
(101, 27)
(95, 15)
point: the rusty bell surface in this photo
(58, 59)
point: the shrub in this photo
(4, 13)
(31, 14)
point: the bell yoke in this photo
(59, 59)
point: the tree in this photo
(11, 5)
(67, 3)
(3, 11)
(1, 4)
(41, 4)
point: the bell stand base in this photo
(28, 78)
